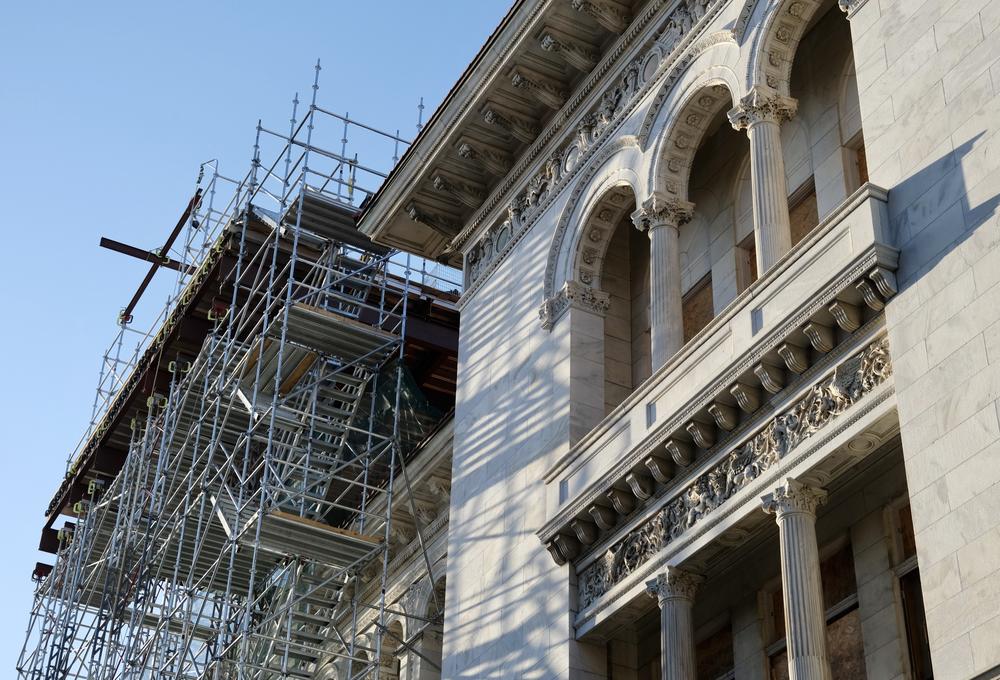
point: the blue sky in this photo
(106, 111)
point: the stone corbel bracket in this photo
(858, 379)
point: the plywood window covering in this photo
(862, 160)
(714, 655)
(802, 210)
(911, 595)
(844, 642)
(746, 263)
(698, 307)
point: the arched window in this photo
(625, 278)
(823, 145)
(426, 660)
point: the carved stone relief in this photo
(573, 293)
(591, 132)
(835, 394)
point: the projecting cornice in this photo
(530, 79)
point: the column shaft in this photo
(666, 317)
(662, 218)
(677, 639)
(674, 590)
(805, 618)
(761, 113)
(772, 227)
(794, 506)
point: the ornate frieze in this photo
(592, 130)
(573, 293)
(826, 400)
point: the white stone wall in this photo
(928, 77)
(926, 84)
(508, 608)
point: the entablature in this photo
(545, 92)
(730, 381)
(518, 85)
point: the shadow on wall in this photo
(503, 591)
(930, 214)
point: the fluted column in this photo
(662, 220)
(794, 506)
(761, 114)
(674, 591)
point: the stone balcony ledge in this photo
(729, 379)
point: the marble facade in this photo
(808, 485)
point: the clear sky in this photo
(106, 111)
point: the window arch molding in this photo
(686, 119)
(716, 55)
(780, 28)
(620, 164)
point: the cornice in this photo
(671, 65)
(835, 394)
(568, 113)
(880, 399)
(654, 384)
(488, 65)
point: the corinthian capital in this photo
(674, 584)
(849, 7)
(657, 211)
(793, 497)
(760, 105)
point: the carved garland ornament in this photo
(589, 134)
(850, 381)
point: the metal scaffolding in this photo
(258, 477)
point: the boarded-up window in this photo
(845, 645)
(916, 625)
(714, 655)
(837, 575)
(907, 543)
(746, 263)
(698, 307)
(862, 161)
(802, 211)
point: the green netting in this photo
(417, 416)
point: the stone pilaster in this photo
(794, 506)
(674, 590)
(761, 114)
(662, 220)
